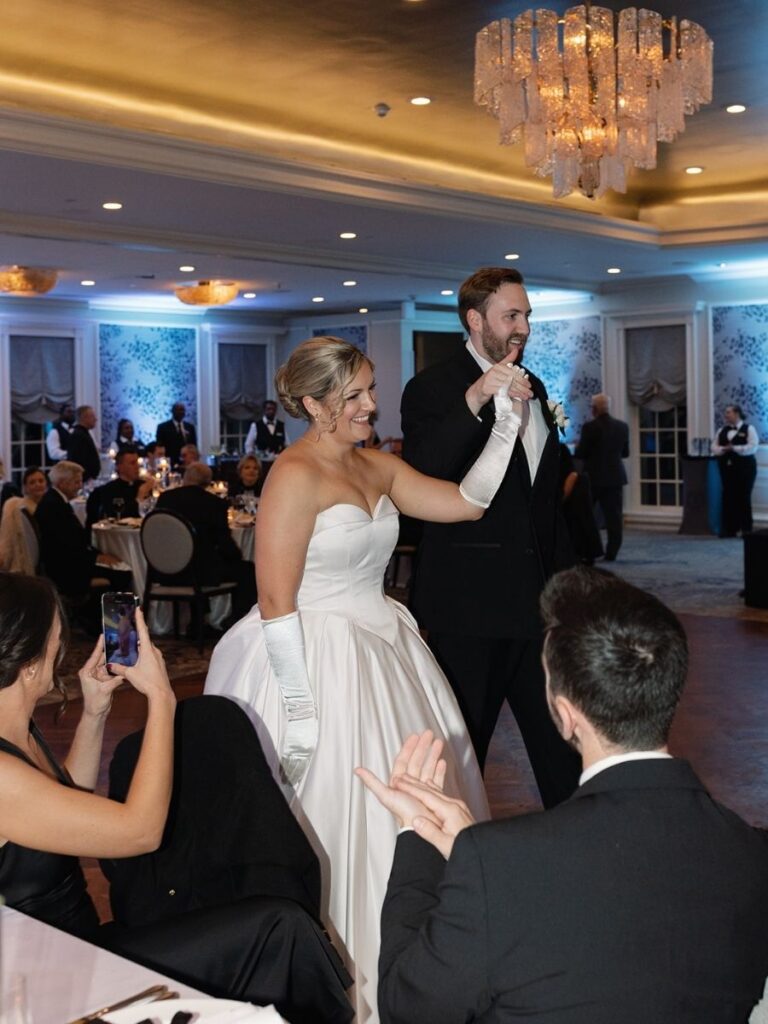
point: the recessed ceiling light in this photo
(613, 270)
(347, 234)
(349, 284)
(87, 284)
(187, 268)
(735, 108)
(694, 170)
(512, 256)
(363, 309)
(111, 206)
(318, 298)
(447, 291)
(420, 101)
(249, 295)
(722, 264)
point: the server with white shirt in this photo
(735, 445)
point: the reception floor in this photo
(721, 726)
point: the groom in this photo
(477, 584)
(638, 900)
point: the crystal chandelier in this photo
(207, 293)
(593, 103)
(27, 281)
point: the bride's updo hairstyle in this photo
(318, 368)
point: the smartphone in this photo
(118, 616)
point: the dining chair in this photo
(168, 541)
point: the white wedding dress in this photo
(375, 682)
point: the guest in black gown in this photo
(227, 949)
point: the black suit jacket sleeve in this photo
(434, 940)
(440, 436)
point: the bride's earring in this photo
(318, 427)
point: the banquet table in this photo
(61, 977)
(123, 540)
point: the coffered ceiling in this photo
(242, 138)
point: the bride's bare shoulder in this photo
(294, 474)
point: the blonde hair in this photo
(316, 369)
(246, 459)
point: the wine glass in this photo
(118, 504)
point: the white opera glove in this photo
(285, 648)
(484, 477)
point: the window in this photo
(242, 392)
(662, 441)
(42, 379)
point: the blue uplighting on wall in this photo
(740, 362)
(144, 370)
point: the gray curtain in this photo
(42, 377)
(656, 366)
(242, 380)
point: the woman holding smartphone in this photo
(39, 869)
(255, 948)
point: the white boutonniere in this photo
(558, 415)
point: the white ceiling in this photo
(241, 138)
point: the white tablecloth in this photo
(64, 977)
(125, 543)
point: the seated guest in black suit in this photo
(639, 899)
(218, 557)
(174, 433)
(120, 497)
(248, 481)
(68, 558)
(126, 437)
(154, 452)
(81, 448)
(254, 946)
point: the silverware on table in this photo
(148, 995)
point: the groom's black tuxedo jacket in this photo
(639, 900)
(481, 578)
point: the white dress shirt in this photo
(609, 762)
(533, 430)
(749, 448)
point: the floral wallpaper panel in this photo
(355, 334)
(144, 370)
(740, 363)
(566, 355)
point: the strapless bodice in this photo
(347, 555)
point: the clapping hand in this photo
(414, 794)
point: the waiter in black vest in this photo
(477, 584)
(735, 446)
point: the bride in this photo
(333, 673)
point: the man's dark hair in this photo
(617, 653)
(127, 449)
(477, 289)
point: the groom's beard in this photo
(496, 347)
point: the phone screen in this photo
(121, 641)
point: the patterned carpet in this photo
(697, 575)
